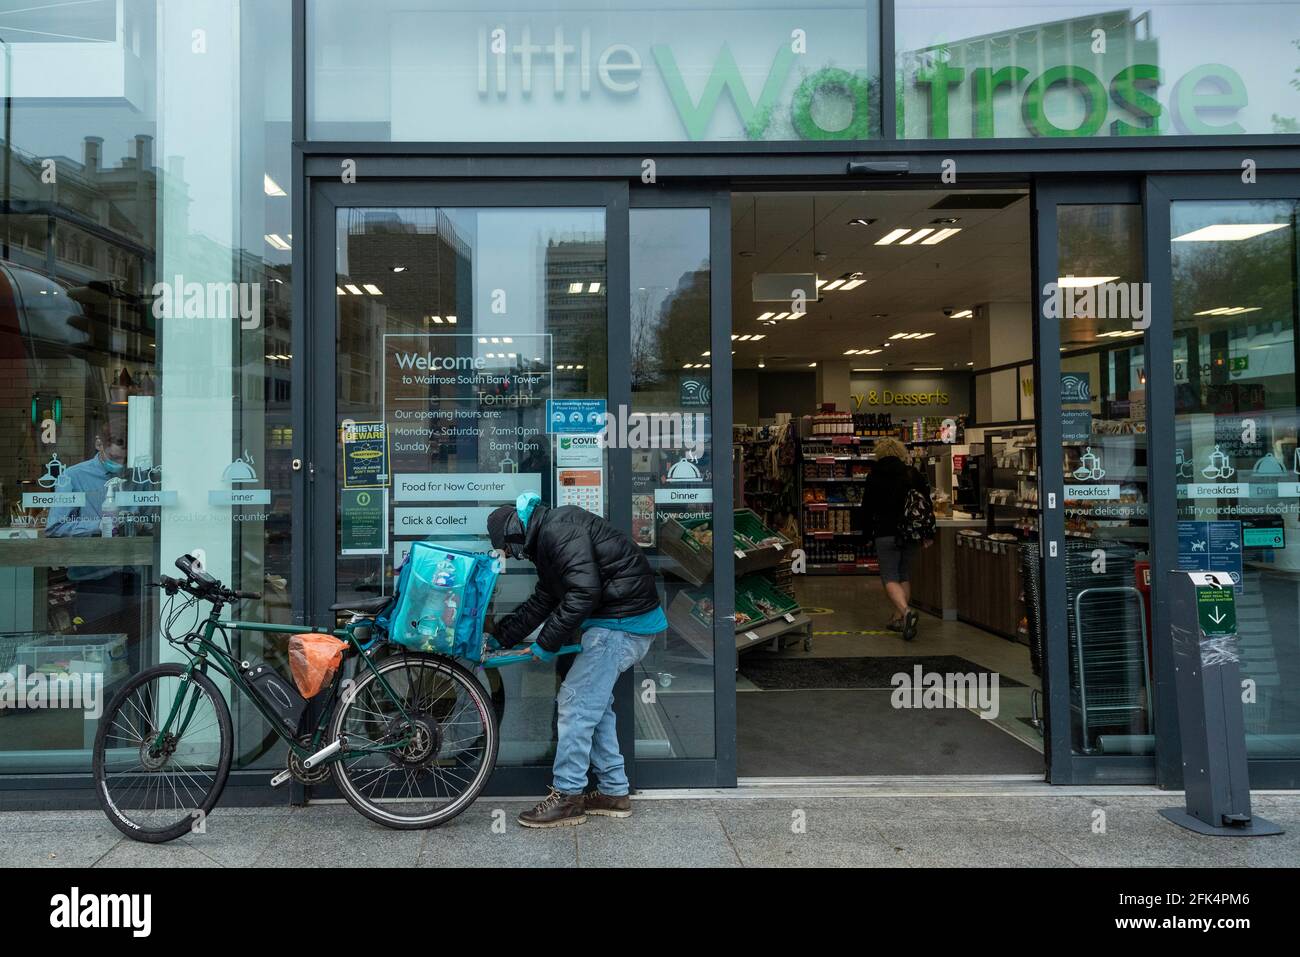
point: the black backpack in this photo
(916, 524)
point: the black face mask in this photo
(514, 545)
(506, 531)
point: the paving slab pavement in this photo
(1042, 830)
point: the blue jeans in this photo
(585, 708)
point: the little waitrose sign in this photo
(639, 73)
(696, 74)
(1205, 100)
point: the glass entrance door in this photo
(1092, 370)
(678, 449)
(1231, 298)
(445, 321)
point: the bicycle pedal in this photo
(280, 778)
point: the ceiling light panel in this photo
(1227, 232)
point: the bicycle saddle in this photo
(364, 606)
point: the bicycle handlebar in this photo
(200, 584)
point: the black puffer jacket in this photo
(586, 568)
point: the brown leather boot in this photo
(609, 805)
(557, 809)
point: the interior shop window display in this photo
(106, 596)
(889, 515)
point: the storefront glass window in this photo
(144, 345)
(671, 481)
(1052, 68)
(455, 326)
(1102, 307)
(602, 71)
(1238, 468)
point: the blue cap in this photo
(525, 504)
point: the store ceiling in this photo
(988, 261)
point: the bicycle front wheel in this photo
(156, 792)
(421, 769)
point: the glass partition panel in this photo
(671, 474)
(1236, 418)
(144, 346)
(1103, 308)
(455, 326)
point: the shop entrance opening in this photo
(884, 340)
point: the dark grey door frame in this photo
(319, 445)
(719, 771)
(1064, 766)
(1161, 191)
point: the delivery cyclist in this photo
(591, 578)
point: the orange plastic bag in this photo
(313, 660)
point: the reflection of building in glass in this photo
(415, 268)
(78, 261)
(407, 271)
(997, 84)
(574, 274)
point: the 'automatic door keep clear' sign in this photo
(575, 416)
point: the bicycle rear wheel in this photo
(451, 732)
(157, 794)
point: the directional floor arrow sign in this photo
(1217, 611)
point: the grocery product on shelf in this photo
(765, 610)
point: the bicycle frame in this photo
(208, 651)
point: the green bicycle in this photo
(410, 739)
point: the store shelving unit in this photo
(1010, 475)
(990, 570)
(757, 487)
(832, 473)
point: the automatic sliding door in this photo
(680, 458)
(454, 324)
(1232, 422)
(1094, 456)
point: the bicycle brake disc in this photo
(424, 741)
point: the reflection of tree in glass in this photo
(1289, 124)
(1100, 240)
(645, 359)
(669, 330)
(1256, 274)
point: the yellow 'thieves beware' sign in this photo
(365, 455)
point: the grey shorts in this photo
(895, 560)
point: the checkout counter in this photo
(972, 577)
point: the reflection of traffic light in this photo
(1219, 351)
(54, 405)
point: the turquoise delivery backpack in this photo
(441, 598)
